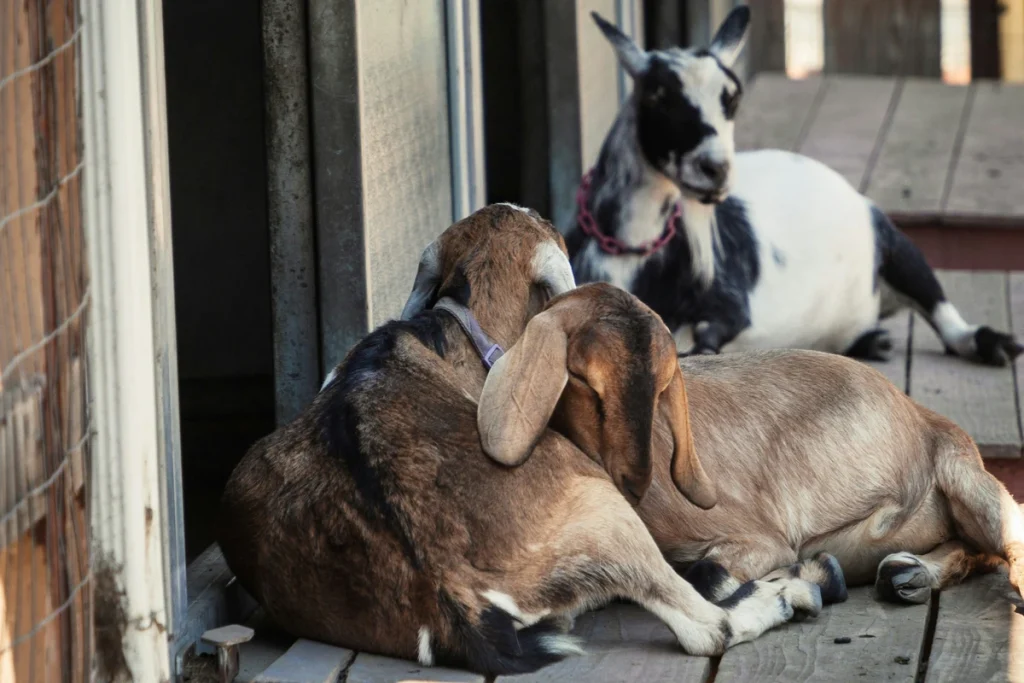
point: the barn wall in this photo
(45, 565)
(381, 156)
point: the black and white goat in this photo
(756, 250)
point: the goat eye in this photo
(730, 103)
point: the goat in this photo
(755, 250)
(376, 522)
(811, 452)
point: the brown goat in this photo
(811, 453)
(375, 520)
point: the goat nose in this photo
(716, 171)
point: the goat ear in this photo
(428, 276)
(633, 59)
(687, 472)
(522, 390)
(731, 35)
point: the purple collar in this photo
(488, 349)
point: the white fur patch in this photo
(551, 266)
(702, 234)
(619, 270)
(954, 330)
(515, 206)
(330, 378)
(560, 644)
(505, 602)
(764, 609)
(423, 652)
(817, 248)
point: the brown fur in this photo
(376, 514)
(810, 452)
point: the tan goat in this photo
(811, 452)
(375, 520)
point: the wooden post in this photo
(664, 23)
(883, 37)
(290, 208)
(986, 60)
(766, 49)
(132, 350)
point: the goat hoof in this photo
(995, 348)
(805, 600)
(904, 578)
(829, 578)
(833, 584)
(872, 345)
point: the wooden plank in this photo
(979, 398)
(978, 636)
(776, 111)
(989, 173)
(884, 645)
(848, 124)
(896, 37)
(307, 661)
(269, 645)
(375, 669)
(896, 367)
(916, 157)
(623, 643)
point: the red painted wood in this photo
(968, 247)
(1011, 473)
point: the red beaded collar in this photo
(611, 245)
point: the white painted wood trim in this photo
(165, 330)
(131, 356)
(465, 106)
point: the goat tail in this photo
(984, 511)
(491, 644)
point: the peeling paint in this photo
(110, 620)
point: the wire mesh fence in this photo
(45, 578)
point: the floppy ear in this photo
(522, 390)
(428, 276)
(731, 35)
(633, 59)
(687, 472)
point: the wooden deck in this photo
(983, 400)
(969, 633)
(946, 162)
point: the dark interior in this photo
(214, 72)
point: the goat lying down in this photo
(811, 452)
(375, 520)
(755, 250)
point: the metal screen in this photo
(45, 579)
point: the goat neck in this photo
(631, 201)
